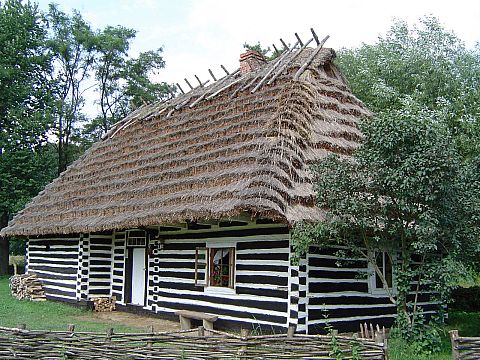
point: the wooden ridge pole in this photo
(276, 50)
(315, 36)
(310, 59)
(188, 83)
(272, 69)
(283, 67)
(180, 88)
(223, 67)
(299, 40)
(211, 74)
(198, 79)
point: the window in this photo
(221, 266)
(384, 264)
(215, 267)
(136, 238)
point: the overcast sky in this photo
(201, 34)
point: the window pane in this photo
(388, 270)
(379, 261)
(220, 267)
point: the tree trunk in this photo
(62, 157)
(4, 245)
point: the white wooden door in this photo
(138, 276)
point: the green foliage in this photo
(423, 335)
(403, 193)
(412, 188)
(24, 86)
(139, 88)
(26, 93)
(72, 44)
(23, 173)
(426, 63)
(123, 83)
(17, 247)
(112, 47)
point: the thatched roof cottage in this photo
(188, 204)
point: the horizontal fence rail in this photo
(188, 344)
(464, 348)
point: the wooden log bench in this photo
(186, 317)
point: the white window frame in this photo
(136, 241)
(217, 244)
(372, 278)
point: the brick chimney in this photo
(251, 61)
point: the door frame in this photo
(128, 264)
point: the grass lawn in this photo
(55, 316)
(48, 315)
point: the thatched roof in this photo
(240, 145)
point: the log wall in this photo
(55, 260)
(341, 296)
(118, 268)
(100, 264)
(261, 281)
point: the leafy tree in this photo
(426, 63)
(411, 189)
(123, 83)
(402, 194)
(139, 89)
(112, 48)
(25, 103)
(73, 45)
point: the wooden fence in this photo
(464, 348)
(187, 344)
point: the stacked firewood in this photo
(104, 304)
(27, 286)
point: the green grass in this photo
(49, 315)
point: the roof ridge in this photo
(271, 71)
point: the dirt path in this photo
(132, 320)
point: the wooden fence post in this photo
(22, 326)
(381, 340)
(201, 331)
(109, 335)
(242, 352)
(71, 328)
(454, 341)
(150, 332)
(291, 330)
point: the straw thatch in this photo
(241, 145)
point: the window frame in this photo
(372, 278)
(136, 238)
(199, 282)
(231, 266)
(206, 282)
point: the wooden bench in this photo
(187, 316)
